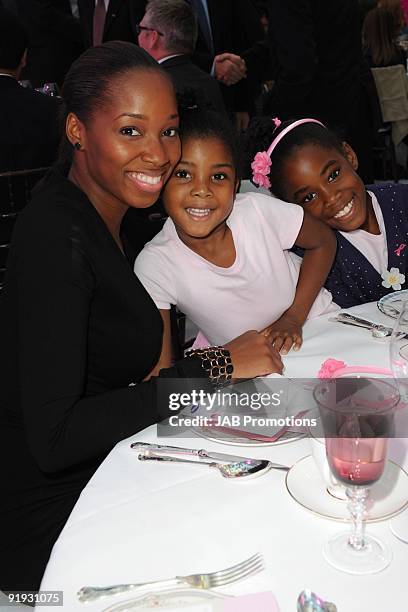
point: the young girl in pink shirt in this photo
(223, 258)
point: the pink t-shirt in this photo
(253, 292)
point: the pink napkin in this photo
(261, 602)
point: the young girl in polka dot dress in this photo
(301, 161)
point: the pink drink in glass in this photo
(359, 461)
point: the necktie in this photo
(99, 22)
(204, 23)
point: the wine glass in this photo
(399, 368)
(357, 417)
(399, 352)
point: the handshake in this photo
(229, 68)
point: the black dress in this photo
(76, 327)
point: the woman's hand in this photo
(253, 355)
(285, 333)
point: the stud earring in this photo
(77, 146)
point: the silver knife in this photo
(349, 319)
(145, 447)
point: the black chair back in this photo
(15, 193)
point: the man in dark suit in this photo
(28, 119)
(55, 39)
(168, 32)
(117, 20)
(228, 25)
(314, 51)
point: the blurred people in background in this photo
(313, 50)
(104, 20)
(364, 7)
(396, 9)
(379, 36)
(10, 5)
(404, 6)
(168, 32)
(28, 119)
(55, 39)
(228, 25)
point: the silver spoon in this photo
(238, 469)
(158, 449)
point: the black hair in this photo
(90, 82)
(13, 40)
(205, 123)
(262, 131)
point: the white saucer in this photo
(388, 496)
(399, 526)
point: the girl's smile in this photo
(325, 183)
(344, 212)
(199, 214)
(200, 193)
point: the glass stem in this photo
(357, 497)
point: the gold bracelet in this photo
(216, 361)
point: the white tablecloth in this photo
(140, 521)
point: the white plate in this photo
(391, 303)
(187, 599)
(388, 496)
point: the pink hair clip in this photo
(261, 166)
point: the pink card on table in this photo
(261, 602)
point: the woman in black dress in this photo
(79, 334)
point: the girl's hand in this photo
(285, 333)
(253, 355)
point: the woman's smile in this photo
(151, 183)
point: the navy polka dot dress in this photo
(352, 279)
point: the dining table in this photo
(138, 521)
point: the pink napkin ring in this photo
(333, 368)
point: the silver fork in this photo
(237, 572)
